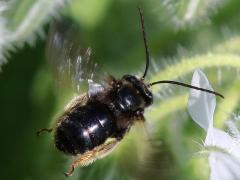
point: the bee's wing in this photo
(201, 105)
(69, 58)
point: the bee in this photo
(94, 123)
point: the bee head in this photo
(140, 87)
(132, 94)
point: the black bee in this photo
(94, 123)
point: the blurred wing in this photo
(69, 58)
(94, 88)
(201, 105)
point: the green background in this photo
(29, 99)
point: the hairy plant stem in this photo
(188, 65)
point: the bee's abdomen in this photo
(85, 128)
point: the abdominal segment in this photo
(85, 128)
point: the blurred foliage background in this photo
(182, 36)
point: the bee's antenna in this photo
(187, 85)
(145, 43)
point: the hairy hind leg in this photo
(81, 160)
(91, 156)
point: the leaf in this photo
(189, 64)
(201, 105)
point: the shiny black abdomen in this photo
(85, 128)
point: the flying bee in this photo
(94, 123)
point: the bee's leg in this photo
(141, 119)
(71, 170)
(139, 115)
(106, 148)
(81, 160)
(44, 130)
(90, 156)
